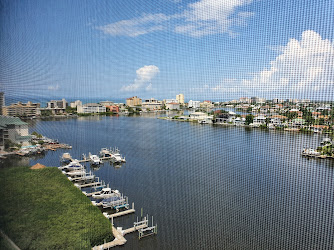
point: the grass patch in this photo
(41, 209)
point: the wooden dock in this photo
(119, 237)
(88, 160)
(128, 211)
(118, 214)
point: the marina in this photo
(249, 174)
(104, 196)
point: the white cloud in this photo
(305, 65)
(53, 87)
(302, 68)
(213, 17)
(198, 19)
(144, 76)
(147, 23)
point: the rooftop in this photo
(9, 120)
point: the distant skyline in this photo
(205, 49)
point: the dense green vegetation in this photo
(41, 209)
(249, 119)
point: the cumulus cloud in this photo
(304, 65)
(53, 87)
(198, 19)
(207, 17)
(143, 79)
(303, 68)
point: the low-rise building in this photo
(258, 120)
(165, 101)
(107, 103)
(201, 117)
(206, 105)
(152, 104)
(91, 108)
(278, 120)
(114, 109)
(13, 129)
(194, 104)
(21, 109)
(297, 123)
(172, 105)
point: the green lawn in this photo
(41, 209)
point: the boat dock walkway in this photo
(119, 236)
(87, 159)
(118, 214)
(125, 212)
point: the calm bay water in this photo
(209, 187)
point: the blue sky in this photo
(205, 49)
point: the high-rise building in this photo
(180, 98)
(57, 104)
(2, 101)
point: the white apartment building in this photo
(91, 108)
(194, 104)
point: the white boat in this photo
(76, 173)
(115, 202)
(106, 193)
(116, 156)
(94, 159)
(310, 152)
(66, 157)
(105, 152)
(72, 166)
(85, 177)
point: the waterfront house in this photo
(206, 105)
(318, 128)
(13, 129)
(259, 120)
(222, 118)
(194, 104)
(114, 109)
(201, 117)
(172, 105)
(297, 123)
(264, 109)
(239, 121)
(277, 120)
(152, 104)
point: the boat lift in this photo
(146, 231)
